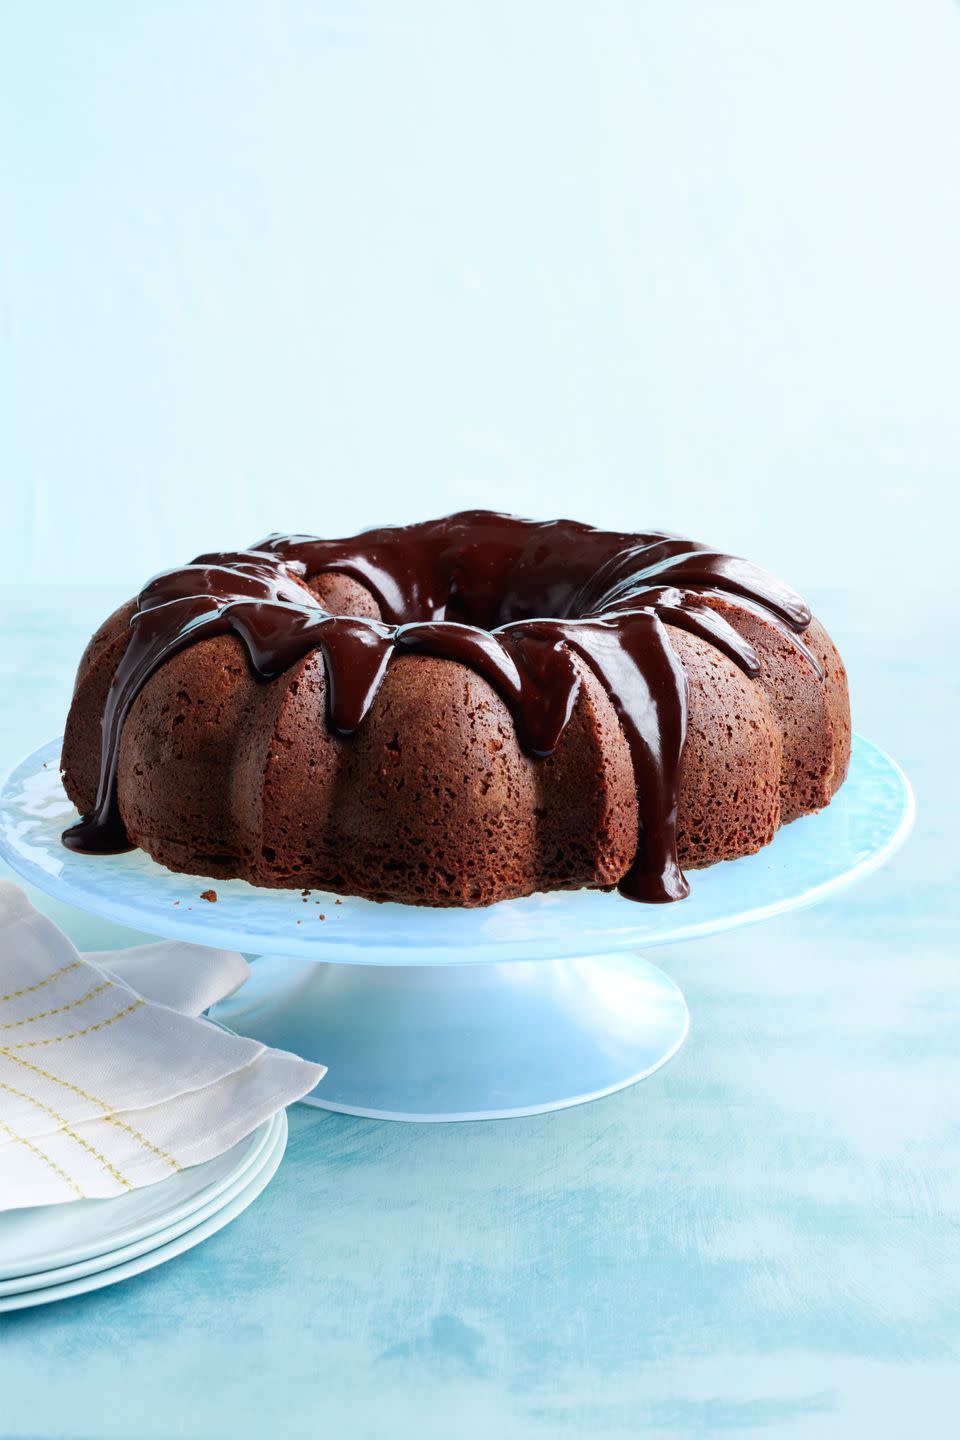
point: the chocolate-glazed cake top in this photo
(512, 599)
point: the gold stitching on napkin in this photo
(108, 1115)
(66, 1130)
(35, 1149)
(60, 1009)
(73, 1034)
(64, 970)
(112, 1119)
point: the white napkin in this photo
(188, 978)
(105, 1085)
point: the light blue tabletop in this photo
(763, 1239)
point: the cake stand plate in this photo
(424, 1014)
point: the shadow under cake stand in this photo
(427, 1014)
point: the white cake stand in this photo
(421, 1014)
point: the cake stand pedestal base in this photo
(467, 1042)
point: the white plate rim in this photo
(187, 1241)
(62, 1274)
(80, 1253)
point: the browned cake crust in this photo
(433, 801)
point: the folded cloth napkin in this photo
(108, 1079)
(188, 978)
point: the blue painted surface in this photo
(762, 1240)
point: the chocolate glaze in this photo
(475, 588)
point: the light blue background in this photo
(318, 265)
(693, 265)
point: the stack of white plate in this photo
(54, 1252)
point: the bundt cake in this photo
(455, 713)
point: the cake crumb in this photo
(210, 895)
(322, 917)
(336, 902)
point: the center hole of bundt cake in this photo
(525, 597)
(480, 586)
(475, 606)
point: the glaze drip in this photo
(475, 588)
